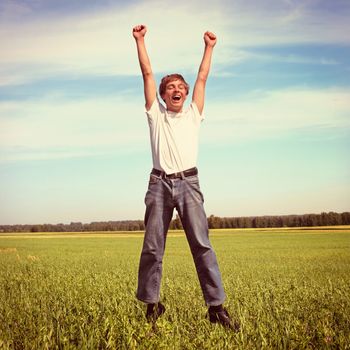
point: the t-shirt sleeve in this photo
(155, 109)
(197, 116)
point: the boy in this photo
(174, 183)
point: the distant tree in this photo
(177, 223)
(35, 228)
(214, 222)
(334, 218)
(345, 218)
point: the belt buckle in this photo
(180, 174)
(176, 175)
(172, 176)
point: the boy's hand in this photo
(139, 31)
(210, 39)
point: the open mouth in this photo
(176, 98)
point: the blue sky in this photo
(74, 140)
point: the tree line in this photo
(214, 222)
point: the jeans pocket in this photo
(193, 180)
(153, 179)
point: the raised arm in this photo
(203, 72)
(150, 88)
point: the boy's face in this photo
(175, 95)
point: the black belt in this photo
(179, 175)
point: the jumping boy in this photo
(173, 183)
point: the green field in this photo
(290, 289)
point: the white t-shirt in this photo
(174, 137)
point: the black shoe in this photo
(154, 311)
(221, 316)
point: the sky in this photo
(74, 139)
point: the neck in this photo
(172, 110)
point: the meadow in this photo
(289, 289)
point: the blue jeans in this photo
(162, 197)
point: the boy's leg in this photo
(194, 220)
(157, 219)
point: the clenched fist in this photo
(139, 31)
(210, 39)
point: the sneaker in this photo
(221, 316)
(154, 311)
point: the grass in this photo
(288, 288)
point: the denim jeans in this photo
(162, 197)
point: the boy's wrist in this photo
(140, 39)
(208, 46)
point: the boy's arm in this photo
(149, 83)
(199, 87)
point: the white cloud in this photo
(101, 42)
(265, 114)
(289, 22)
(12, 10)
(56, 128)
